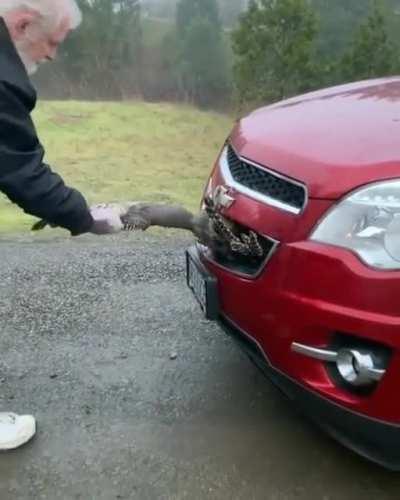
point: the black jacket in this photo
(24, 178)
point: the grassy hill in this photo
(126, 151)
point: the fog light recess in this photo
(354, 364)
(357, 368)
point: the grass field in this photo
(126, 151)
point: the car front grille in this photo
(276, 190)
(245, 265)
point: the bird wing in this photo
(140, 216)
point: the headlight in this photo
(368, 223)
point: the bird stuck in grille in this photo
(227, 237)
(211, 229)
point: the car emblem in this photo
(221, 197)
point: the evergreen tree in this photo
(371, 53)
(101, 58)
(274, 46)
(201, 64)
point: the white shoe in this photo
(15, 430)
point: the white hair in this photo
(53, 11)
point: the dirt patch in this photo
(68, 118)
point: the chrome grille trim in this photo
(226, 173)
(208, 255)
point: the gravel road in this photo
(88, 330)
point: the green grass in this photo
(126, 151)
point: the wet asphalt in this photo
(137, 396)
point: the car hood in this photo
(333, 140)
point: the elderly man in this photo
(30, 33)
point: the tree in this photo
(101, 59)
(201, 64)
(274, 47)
(371, 53)
(189, 10)
(161, 9)
(230, 10)
(340, 18)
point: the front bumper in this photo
(308, 293)
(370, 438)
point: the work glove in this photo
(107, 219)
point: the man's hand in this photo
(107, 219)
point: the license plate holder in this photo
(203, 284)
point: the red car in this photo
(308, 281)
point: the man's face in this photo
(37, 42)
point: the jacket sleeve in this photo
(25, 179)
